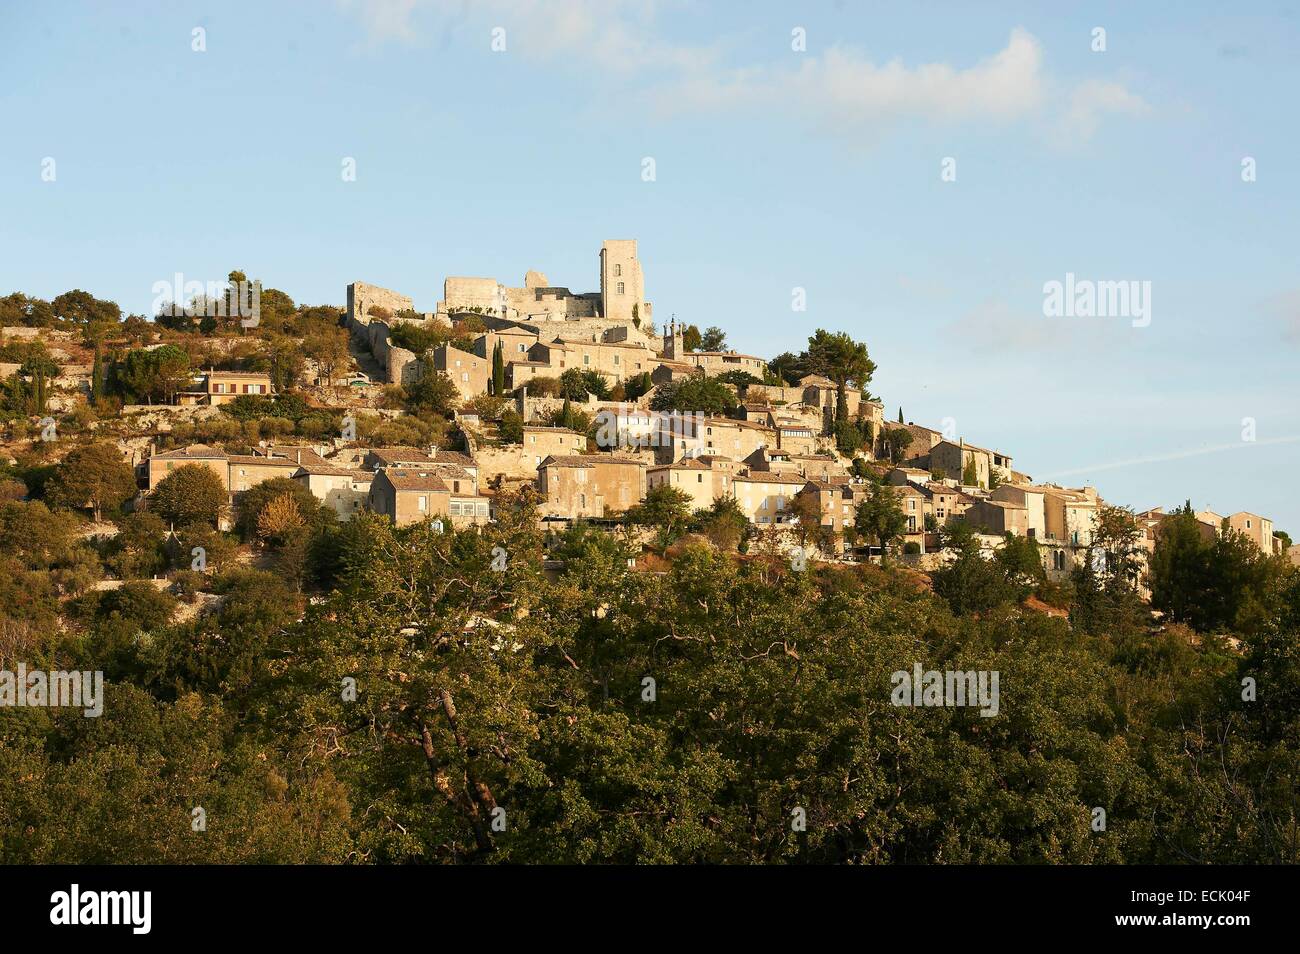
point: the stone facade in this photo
(621, 299)
(363, 297)
(590, 485)
(222, 387)
(470, 373)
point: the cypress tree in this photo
(498, 370)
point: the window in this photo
(586, 359)
(699, 478)
(911, 524)
(616, 361)
(423, 503)
(1247, 524)
(464, 375)
(620, 288)
(618, 271)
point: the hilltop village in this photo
(538, 575)
(581, 402)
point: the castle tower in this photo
(673, 347)
(622, 289)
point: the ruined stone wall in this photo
(400, 366)
(363, 297)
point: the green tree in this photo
(94, 475)
(880, 517)
(664, 508)
(432, 391)
(843, 360)
(691, 338)
(897, 441)
(696, 394)
(724, 523)
(713, 339)
(192, 493)
(250, 503)
(573, 385)
(498, 369)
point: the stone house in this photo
(765, 497)
(705, 478)
(344, 490)
(158, 466)
(1070, 516)
(470, 373)
(723, 436)
(409, 496)
(953, 457)
(1032, 499)
(222, 387)
(837, 501)
(238, 472)
(578, 486)
(249, 470)
(999, 517)
(1258, 529)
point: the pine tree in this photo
(900, 414)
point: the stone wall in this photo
(400, 366)
(363, 297)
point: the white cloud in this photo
(385, 19)
(1090, 101)
(839, 90)
(854, 90)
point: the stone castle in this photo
(621, 299)
(618, 314)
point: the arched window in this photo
(618, 271)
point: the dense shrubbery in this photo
(478, 690)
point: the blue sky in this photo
(775, 169)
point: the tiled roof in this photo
(203, 451)
(316, 470)
(587, 460)
(770, 477)
(396, 455)
(453, 457)
(410, 480)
